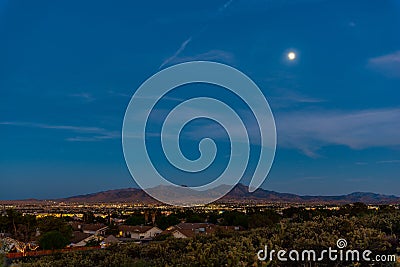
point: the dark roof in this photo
(134, 229)
(76, 226)
(185, 232)
(192, 229)
(79, 236)
(194, 226)
(93, 227)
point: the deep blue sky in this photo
(69, 68)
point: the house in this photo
(187, 230)
(80, 239)
(97, 229)
(138, 232)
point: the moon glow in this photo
(291, 56)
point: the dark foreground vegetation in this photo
(295, 228)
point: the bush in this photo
(376, 232)
(53, 240)
(2, 260)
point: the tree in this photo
(27, 228)
(94, 242)
(51, 223)
(3, 224)
(112, 229)
(195, 218)
(14, 218)
(21, 227)
(100, 219)
(53, 240)
(163, 222)
(355, 209)
(235, 218)
(88, 217)
(212, 218)
(262, 220)
(135, 220)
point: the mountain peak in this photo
(239, 193)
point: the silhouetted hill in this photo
(132, 195)
(239, 193)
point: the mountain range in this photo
(239, 193)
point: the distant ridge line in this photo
(239, 194)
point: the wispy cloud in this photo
(226, 5)
(90, 133)
(388, 161)
(309, 131)
(83, 96)
(177, 53)
(388, 65)
(361, 163)
(115, 93)
(288, 98)
(215, 55)
(92, 138)
(185, 43)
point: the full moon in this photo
(291, 55)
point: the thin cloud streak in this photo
(180, 50)
(289, 98)
(84, 96)
(188, 40)
(310, 131)
(212, 55)
(388, 65)
(388, 161)
(115, 93)
(97, 133)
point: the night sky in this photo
(69, 68)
